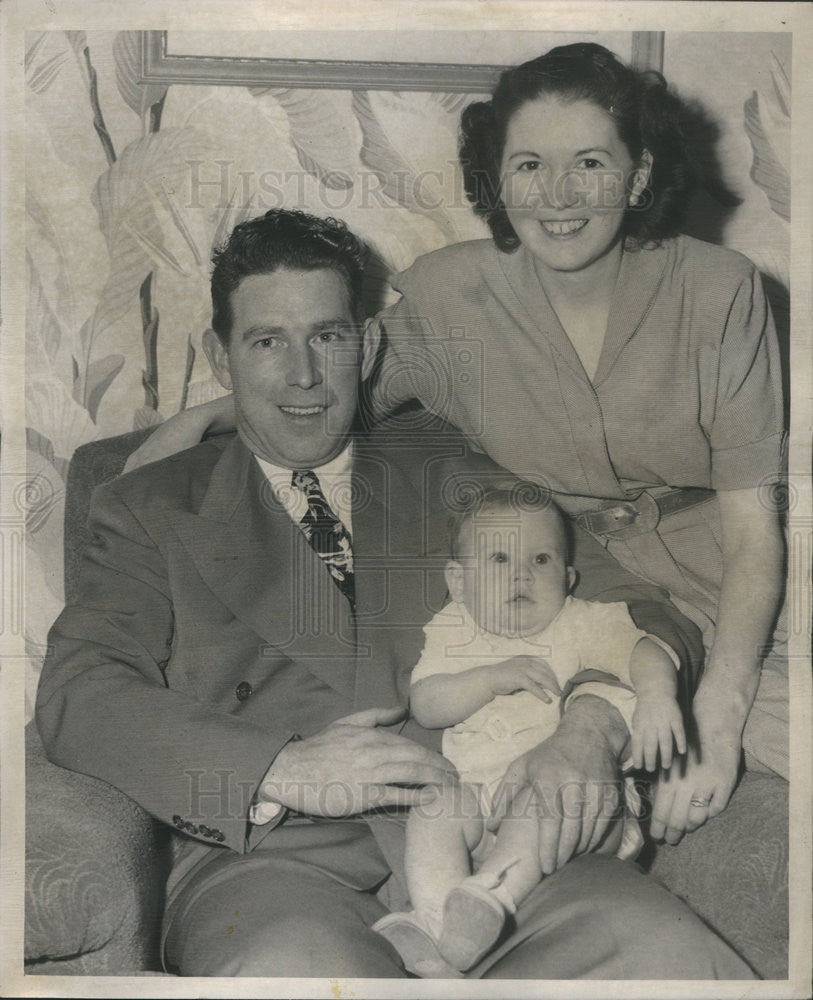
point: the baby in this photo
(509, 639)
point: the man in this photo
(239, 654)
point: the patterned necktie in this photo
(327, 535)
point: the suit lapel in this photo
(373, 520)
(259, 564)
(398, 582)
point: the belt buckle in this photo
(647, 516)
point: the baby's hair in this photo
(517, 496)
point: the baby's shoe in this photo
(473, 919)
(416, 944)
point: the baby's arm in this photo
(657, 717)
(443, 700)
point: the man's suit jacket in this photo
(206, 632)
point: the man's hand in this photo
(351, 767)
(575, 778)
(523, 673)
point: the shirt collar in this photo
(334, 478)
(341, 465)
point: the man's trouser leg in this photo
(276, 914)
(285, 909)
(601, 918)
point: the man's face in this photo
(294, 361)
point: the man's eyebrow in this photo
(331, 324)
(260, 330)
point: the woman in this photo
(633, 371)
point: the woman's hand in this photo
(689, 795)
(184, 430)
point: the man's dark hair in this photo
(284, 239)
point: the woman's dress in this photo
(687, 393)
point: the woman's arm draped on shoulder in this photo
(185, 430)
(412, 363)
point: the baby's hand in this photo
(524, 673)
(655, 721)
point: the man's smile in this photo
(303, 411)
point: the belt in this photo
(628, 518)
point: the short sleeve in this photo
(432, 661)
(746, 433)
(606, 636)
(444, 635)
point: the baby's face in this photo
(515, 576)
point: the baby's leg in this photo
(440, 837)
(474, 912)
(512, 867)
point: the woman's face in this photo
(566, 181)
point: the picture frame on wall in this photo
(307, 59)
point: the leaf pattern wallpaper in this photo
(130, 186)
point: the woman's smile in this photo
(563, 228)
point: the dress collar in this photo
(639, 277)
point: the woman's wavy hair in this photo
(646, 115)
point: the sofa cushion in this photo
(733, 872)
(95, 868)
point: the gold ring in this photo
(696, 800)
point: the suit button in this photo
(219, 837)
(178, 822)
(204, 831)
(244, 691)
(190, 827)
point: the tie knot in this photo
(304, 480)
